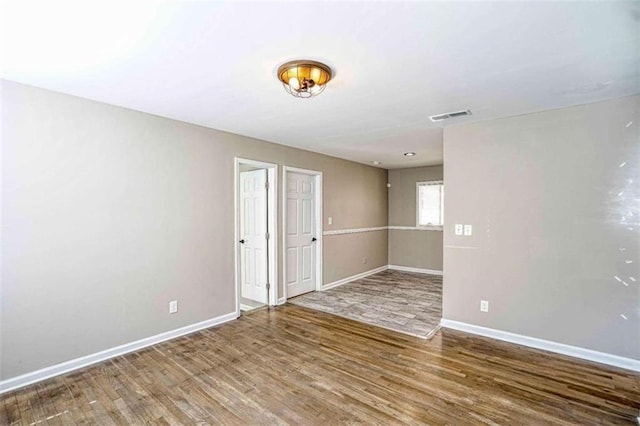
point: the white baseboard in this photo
(417, 270)
(74, 364)
(547, 345)
(282, 301)
(354, 277)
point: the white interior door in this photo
(301, 247)
(253, 234)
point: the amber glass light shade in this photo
(303, 78)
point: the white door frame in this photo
(272, 244)
(318, 231)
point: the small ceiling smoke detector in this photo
(376, 163)
(448, 115)
(409, 154)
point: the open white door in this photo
(253, 235)
(301, 241)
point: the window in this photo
(429, 200)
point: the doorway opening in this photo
(255, 186)
(302, 236)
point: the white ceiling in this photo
(396, 64)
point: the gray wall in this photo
(414, 248)
(108, 213)
(554, 199)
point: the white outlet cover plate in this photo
(468, 230)
(458, 229)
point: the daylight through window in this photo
(430, 197)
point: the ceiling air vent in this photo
(448, 115)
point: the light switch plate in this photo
(468, 230)
(484, 305)
(173, 306)
(330, 220)
(458, 229)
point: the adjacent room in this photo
(221, 212)
(405, 295)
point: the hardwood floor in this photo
(298, 366)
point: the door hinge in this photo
(267, 236)
(266, 185)
(268, 286)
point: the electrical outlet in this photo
(484, 305)
(330, 220)
(468, 230)
(173, 306)
(364, 260)
(458, 229)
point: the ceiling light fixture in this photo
(409, 154)
(304, 78)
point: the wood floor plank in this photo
(35, 404)
(293, 365)
(10, 415)
(27, 415)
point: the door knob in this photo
(241, 241)
(313, 240)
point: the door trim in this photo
(272, 245)
(318, 231)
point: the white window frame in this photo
(429, 227)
